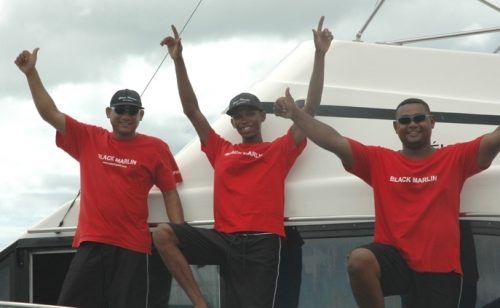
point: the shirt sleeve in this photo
(167, 173)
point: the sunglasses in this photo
(122, 109)
(416, 119)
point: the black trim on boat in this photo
(388, 114)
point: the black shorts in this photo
(103, 275)
(248, 261)
(429, 290)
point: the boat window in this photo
(49, 270)
(488, 264)
(165, 292)
(313, 269)
(5, 281)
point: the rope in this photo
(166, 55)
(145, 88)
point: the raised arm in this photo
(26, 62)
(186, 92)
(322, 42)
(173, 206)
(489, 148)
(320, 133)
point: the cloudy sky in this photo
(91, 48)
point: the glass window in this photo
(313, 269)
(207, 278)
(488, 263)
(5, 282)
(313, 272)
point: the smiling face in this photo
(124, 123)
(248, 121)
(415, 132)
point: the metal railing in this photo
(430, 37)
(18, 304)
(441, 36)
(360, 32)
(312, 219)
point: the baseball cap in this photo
(243, 99)
(126, 97)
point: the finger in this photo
(176, 34)
(320, 24)
(35, 52)
(288, 95)
(169, 41)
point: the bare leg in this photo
(364, 275)
(166, 242)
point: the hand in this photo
(26, 60)
(173, 44)
(285, 106)
(322, 37)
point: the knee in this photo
(163, 235)
(362, 261)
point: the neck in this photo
(417, 153)
(253, 139)
(124, 136)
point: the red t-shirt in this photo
(417, 202)
(116, 177)
(249, 182)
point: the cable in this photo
(69, 209)
(145, 88)
(166, 55)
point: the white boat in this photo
(328, 211)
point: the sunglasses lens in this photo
(416, 119)
(419, 118)
(131, 110)
(404, 120)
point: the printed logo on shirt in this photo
(248, 153)
(413, 179)
(116, 161)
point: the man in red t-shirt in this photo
(249, 180)
(416, 249)
(117, 171)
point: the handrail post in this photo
(360, 32)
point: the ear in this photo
(263, 115)
(108, 112)
(433, 121)
(395, 126)
(232, 123)
(141, 114)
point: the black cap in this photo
(243, 99)
(126, 97)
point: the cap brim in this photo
(232, 111)
(126, 104)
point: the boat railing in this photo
(19, 304)
(441, 36)
(430, 37)
(295, 219)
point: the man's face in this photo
(124, 120)
(414, 126)
(247, 121)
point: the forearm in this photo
(315, 89)
(43, 102)
(317, 131)
(173, 206)
(186, 92)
